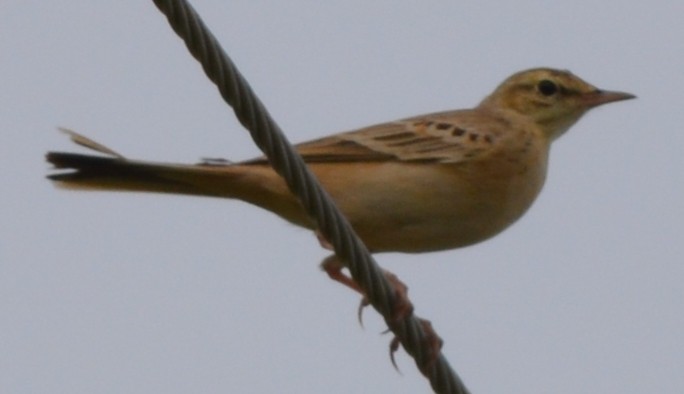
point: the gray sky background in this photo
(125, 293)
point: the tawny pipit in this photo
(427, 183)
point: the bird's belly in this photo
(417, 208)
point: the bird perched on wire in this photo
(431, 182)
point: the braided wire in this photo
(289, 164)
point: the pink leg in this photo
(402, 308)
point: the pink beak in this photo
(600, 97)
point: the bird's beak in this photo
(600, 97)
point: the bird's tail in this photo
(116, 173)
(255, 183)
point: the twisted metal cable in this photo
(289, 164)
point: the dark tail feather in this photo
(84, 166)
(115, 173)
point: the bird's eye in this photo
(547, 88)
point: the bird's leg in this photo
(333, 267)
(402, 307)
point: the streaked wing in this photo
(445, 137)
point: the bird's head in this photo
(553, 99)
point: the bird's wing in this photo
(446, 137)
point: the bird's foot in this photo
(432, 342)
(402, 307)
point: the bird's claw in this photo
(402, 307)
(432, 342)
(363, 304)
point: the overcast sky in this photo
(130, 293)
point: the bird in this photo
(432, 182)
(427, 183)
